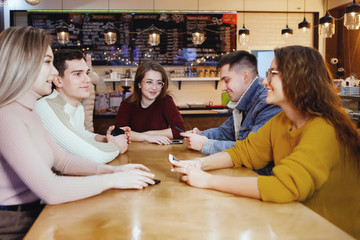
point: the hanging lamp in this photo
(244, 33)
(304, 25)
(33, 2)
(327, 24)
(154, 36)
(352, 16)
(287, 32)
(109, 33)
(62, 33)
(198, 34)
(154, 33)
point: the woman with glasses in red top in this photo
(150, 111)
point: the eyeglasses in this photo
(158, 84)
(270, 73)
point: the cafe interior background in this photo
(265, 25)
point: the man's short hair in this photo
(240, 59)
(62, 55)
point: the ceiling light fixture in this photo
(304, 25)
(286, 32)
(352, 16)
(62, 31)
(327, 25)
(244, 33)
(198, 34)
(154, 34)
(33, 2)
(109, 33)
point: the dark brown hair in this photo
(139, 76)
(308, 85)
(63, 55)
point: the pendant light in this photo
(154, 34)
(352, 16)
(327, 25)
(244, 33)
(62, 34)
(109, 33)
(198, 34)
(286, 32)
(304, 25)
(33, 2)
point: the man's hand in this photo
(195, 131)
(194, 141)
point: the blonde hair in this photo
(22, 50)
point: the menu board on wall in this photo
(175, 48)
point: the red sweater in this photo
(161, 114)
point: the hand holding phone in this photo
(173, 159)
(117, 131)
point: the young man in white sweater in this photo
(63, 114)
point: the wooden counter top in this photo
(174, 210)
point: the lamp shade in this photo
(33, 2)
(286, 32)
(110, 36)
(304, 25)
(327, 26)
(198, 36)
(244, 36)
(352, 16)
(62, 35)
(154, 36)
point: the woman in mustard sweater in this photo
(312, 136)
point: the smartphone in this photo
(117, 131)
(157, 181)
(173, 159)
(176, 142)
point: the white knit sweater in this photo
(66, 125)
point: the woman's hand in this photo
(162, 140)
(128, 167)
(191, 173)
(132, 179)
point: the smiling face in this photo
(274, 86)
(234, 82)
(75, 84)
(48, 73)
(150, 86)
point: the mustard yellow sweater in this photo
(303, 157)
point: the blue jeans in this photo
(266, 171)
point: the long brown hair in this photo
(22, 50)
(308, 85)
(139, 76)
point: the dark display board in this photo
(175, 48)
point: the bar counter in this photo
(174, 210)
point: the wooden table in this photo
(174, 210)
